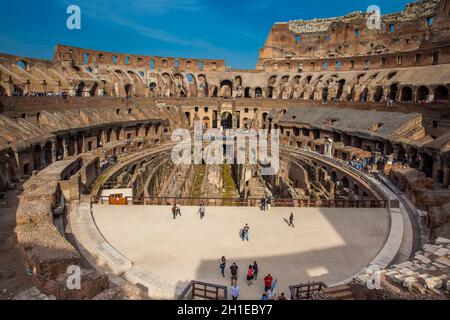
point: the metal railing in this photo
(306, 290)
(249, 202)
(204, 291)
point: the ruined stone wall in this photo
(420, 30)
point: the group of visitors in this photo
(176, 210)
(266, 203)
(252, 275)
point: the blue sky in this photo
(231, 30)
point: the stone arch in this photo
(364, 95)
(118, 134)
(393, 91)
(407, 94)
(129, 90)
(80, 89)
(441, 93)
(345, 182)
(188, 117)
(258, 93)
(379, 92)
(247, 92)
(325, 94)
(48, 153)
(37, 161)
(94, 89)
(341, 84)
(427, 165)
(226, 89)
(22, 64)
(422, 94)
(351, 95)
(227, 120)
(206, 123)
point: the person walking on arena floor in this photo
(223, 265)
(202, 210)
(178, 210)
(235, 291)
(174, 211)
(255, 270)
(268, 282)
(245, 233)
(234, 269)
(291, 220)
(250, 275)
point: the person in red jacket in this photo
(268, 282)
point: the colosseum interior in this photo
(364, 123)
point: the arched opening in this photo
(37, 157)
(325, 94)
(93, 91)
(378, 96)
(22, 64)
(48, 153)
(355, 189)
(422, 94)
(393, 90)
(190, 78)
(345, 182)
(118, 134)
(333, 176)
(407, 94)
(441, 93)
(364, 95)
(264, 120)
(258, 93)
(427, 165)
(340, 90)
(227, 121)
(226, 89)
(351, 96)
(206, 123)
(108, 135)
(99, 138)
(128, 90)
(80, 89)
(247, 92)
(188, 117)
(270, 92)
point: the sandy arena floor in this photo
(326, 244)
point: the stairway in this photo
(342, 292)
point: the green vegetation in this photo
(197, 187)
(229, 184)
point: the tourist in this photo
(202, 210)
(271, 294)
(264, 297)
(250, 276)
(268, 282)
(234, 269)
(282, 297)
(178, 210)
(174, 211)
(263, 204)
(245, 233)
(223, 264)
(291, 220)
(235, 291)
(255, 270)
(269, 203)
